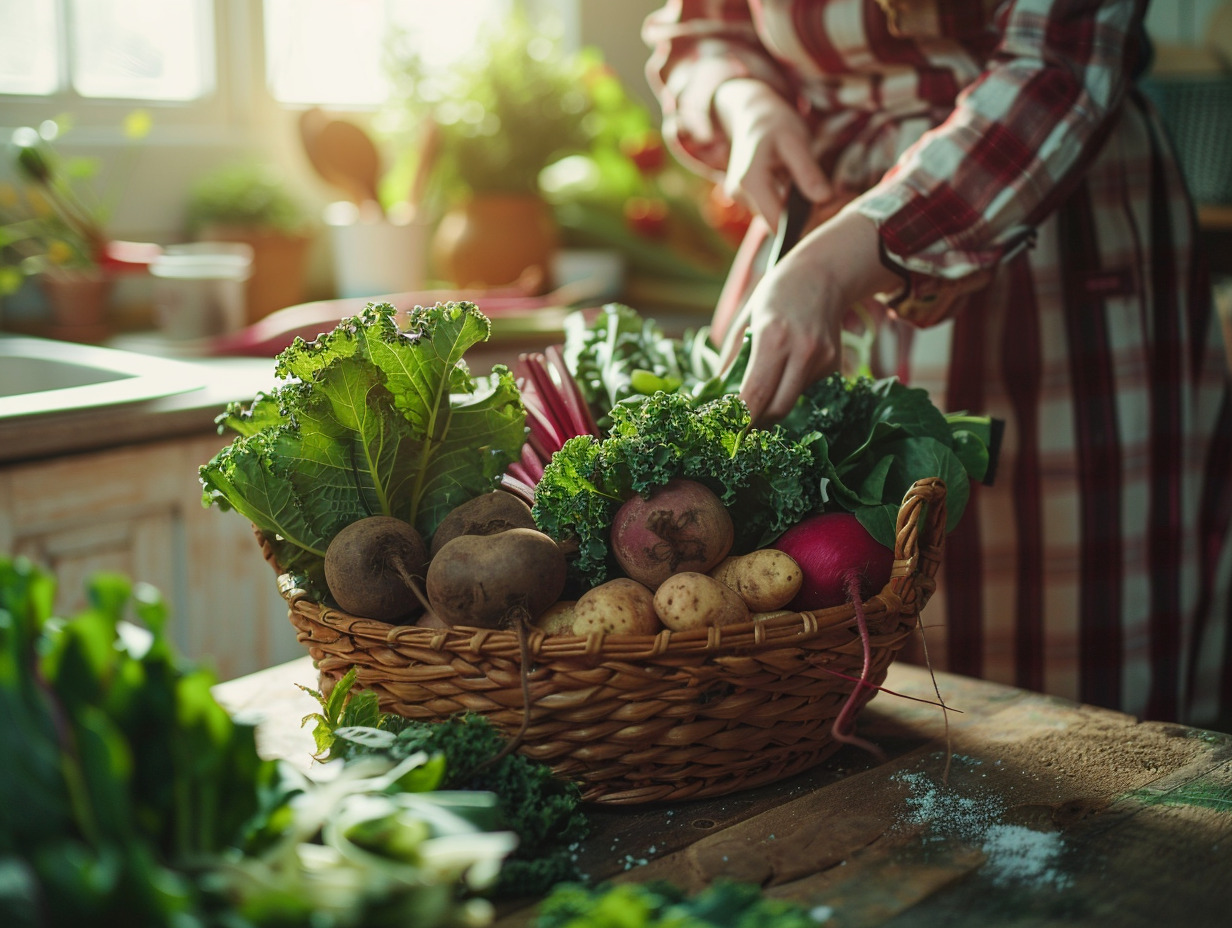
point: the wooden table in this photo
(1032, 811)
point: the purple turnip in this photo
(681, 526)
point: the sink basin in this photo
(39, 376)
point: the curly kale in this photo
(765, 478)
(542, 809)
(840, 408)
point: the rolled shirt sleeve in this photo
(968, 193)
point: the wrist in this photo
(850, 246)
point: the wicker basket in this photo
(638, 718)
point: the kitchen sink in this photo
(40, 376)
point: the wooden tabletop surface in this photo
(1030, 810)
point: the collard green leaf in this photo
(373, 420)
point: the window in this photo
(107, 49)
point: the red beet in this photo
(827, 547)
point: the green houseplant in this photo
(245, 201)
(493, 121)
(54, 241)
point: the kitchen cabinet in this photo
(137, 509)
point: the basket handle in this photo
(918, 547)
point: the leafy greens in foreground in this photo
(372, 419)
(541, 809)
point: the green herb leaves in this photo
(373, 420)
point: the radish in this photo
(828, 547)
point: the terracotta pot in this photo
(77, 302)
(494, 240)
(279, 263)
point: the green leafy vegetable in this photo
(372, 420)
(541, 809)
(723, 904)
(376, 845)
(121, 776)
(618, 355)
(764, 477)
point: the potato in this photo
(557, 619)
(694, 600)
(766, 579)
(618, 607)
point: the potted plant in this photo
(245, 201)
(53, 233)
(494, 121)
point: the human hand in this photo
(796, 311)
(771, 148)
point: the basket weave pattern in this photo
(646, 718)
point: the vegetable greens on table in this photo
(373, 419)
(542, 810)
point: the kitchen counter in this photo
(1027, 810)
(189, 413)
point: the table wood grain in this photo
(1023, 810)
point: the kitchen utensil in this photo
(354, 156)
(343, 154)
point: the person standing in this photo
(988, 175)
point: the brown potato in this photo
(766, 579)
(557, 619)
(617, 607)
(694, 600)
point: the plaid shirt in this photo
(1027, 195)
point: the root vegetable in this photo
(478, 580)
(695, 600)
(766, 579)
(372, 565)
(557, 619)
(829, 546)
(493, 512)
(682, 526)
(618, 607)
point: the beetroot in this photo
(828, 547)
(372, 566)
(681, 526)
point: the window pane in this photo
(142, 49)
(29, 52)
(324, 51)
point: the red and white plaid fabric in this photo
(1026, 191)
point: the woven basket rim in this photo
(917, 554)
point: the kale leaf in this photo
(371, 419)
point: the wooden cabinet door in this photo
(137, 510)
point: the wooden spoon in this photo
(353, 156)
